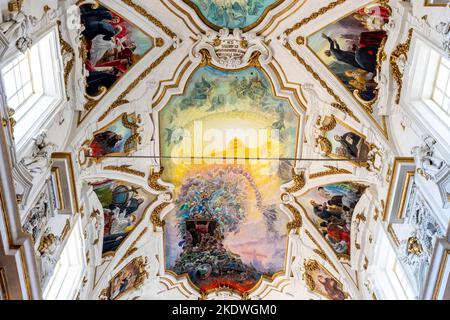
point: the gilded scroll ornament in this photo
(126, 168)
(299, 182)
(66, 51)
(400, 51)
(155, 218)
(331, 171)
(154, 178)
(297, 223)
(329, 123)
(414, 246)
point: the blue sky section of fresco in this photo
(238, 13)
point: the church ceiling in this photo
(233, 202)
(184, 146)
(231, 14)
(352, 48)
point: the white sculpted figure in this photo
(15, 30)
(428, 165)
(40, 155)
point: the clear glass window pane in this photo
(446, 103)
(13, 102)
(18, 76)
(25, 70)
(446, 62)
(28, 89)
(448, 87)
(10, 83)
(442, 77)
(438, 97)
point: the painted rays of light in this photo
(227, 229)
(231, 14)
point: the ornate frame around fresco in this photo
(135, 137)
(157, 42)
(295, 221)
(340, 256)
(311, 265)
(367, 105)
(248, 28)
(328, 124)
(140, 263)
(303, 41)
(145, 212)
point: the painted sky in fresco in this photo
(232, 13)
(242, 196)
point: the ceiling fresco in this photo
(118, 138)
(331, 208)
(124, 206)
(351, 48)
(112, 46)
(227, 228)
(231, 14)
(224, 141)
(320, 280)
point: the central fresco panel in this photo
(227, 228)
(231, 14)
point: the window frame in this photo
(13, 66)
(70, 266)
(419, 78)
(40, 109)
(387, 278)
(446, 91)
